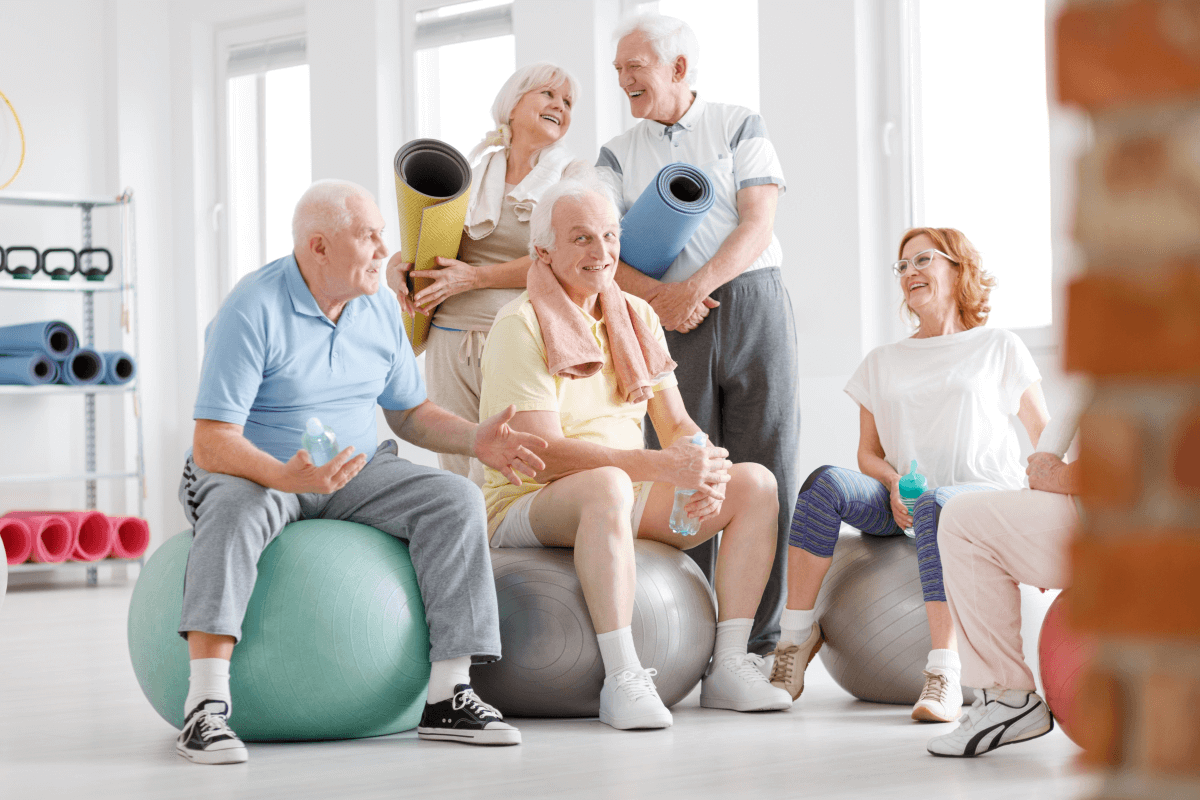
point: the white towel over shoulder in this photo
(487, 188)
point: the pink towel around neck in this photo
(639, 360)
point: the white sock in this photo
(732, 635)
(209, 680)
(445, 675)
(617, 651)
(795, 626)
(945, 662)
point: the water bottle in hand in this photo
(681, 523)
(319, 441)
(912, 486)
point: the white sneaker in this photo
(629, 700)
(737, 683)
(999, 717)
(941, 699)
(768, 665)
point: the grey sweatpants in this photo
(439, 515)
(738, 378)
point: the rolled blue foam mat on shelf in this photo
(27, 370)
(82, 368)
(55, 339)
(658, 226)
(119, 367)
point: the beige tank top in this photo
(508, 241)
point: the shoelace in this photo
(212, 725)
(935, 687)
(748, 667)
(785, 664)
(468, 698)
(637, 685)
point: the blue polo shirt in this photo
(272, 359)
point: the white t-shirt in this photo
(950, 402)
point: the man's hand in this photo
(681, 306)
(450, 278)
(1049, 473)
(301, 476)
(397, 279)
(699, 467)
(509, 451)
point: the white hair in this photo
(579, 181)
(524, 80)
(670, 37)
(323, 208)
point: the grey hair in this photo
(670, 37)
(323, 209)
(524, 80)
(579, 181)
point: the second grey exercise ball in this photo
(551, 663)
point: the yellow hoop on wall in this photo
(21, 131)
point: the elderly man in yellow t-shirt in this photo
(583, 363)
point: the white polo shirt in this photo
(728, 142)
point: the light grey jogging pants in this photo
(440, 515)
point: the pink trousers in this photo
(990, 542)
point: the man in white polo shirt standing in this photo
(727, 314)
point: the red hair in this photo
(974, 284)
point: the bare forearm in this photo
(228, 452)
(739, 250)
(509, 275)
(879, 469)
(636, 283)
(433, 428)
(567, 456)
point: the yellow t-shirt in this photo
(515, 373)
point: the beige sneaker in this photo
(941, 699)
(791, 660)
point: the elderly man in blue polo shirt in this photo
(309, 336)
(727, 314)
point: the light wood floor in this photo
(75, 724)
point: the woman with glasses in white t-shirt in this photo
(518, 162)
(945, 397)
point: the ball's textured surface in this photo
(334, 643)
(873, 616)
(551, 665)
(1063, 654)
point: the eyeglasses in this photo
(918, 262)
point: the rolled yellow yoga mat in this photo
(433, 182)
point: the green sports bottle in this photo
(912, 486)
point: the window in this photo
(981, 160)
(728, 35)
(465, 52)
(268, 150)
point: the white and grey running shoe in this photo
(628, 700)
(206, 737)
(941, 699)
(998, 717)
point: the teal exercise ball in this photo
(334, 643)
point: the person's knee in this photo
(461, 499)
(607, 490)
(755, 486)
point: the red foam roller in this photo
(91, 532)
(53, 537)
(17, 538)
(131, 537)
(1063, 655)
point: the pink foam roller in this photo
(53, 537)
(131, 537)
(91, 532)
(17, 538)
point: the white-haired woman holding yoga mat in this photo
(518, 162)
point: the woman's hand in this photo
(450, 278)
(397, 279)
(899, 510)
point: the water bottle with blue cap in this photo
(681, 523)
(320, 442)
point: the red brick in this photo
(1110, 461)
(1185, 454)
(1171, 724)
(1101, 710)
(1141, 584)
(1137, 51)
(1121, 325)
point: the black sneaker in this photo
(206, 737)
(467, 719)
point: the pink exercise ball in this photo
(1063, 656)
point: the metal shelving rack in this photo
(126, 286)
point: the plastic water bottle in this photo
(912, 486)
(681, 523)
(319, 441)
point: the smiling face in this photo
(656, 90)
(587, 244)
(542, 116)
(932, 287)
(352, 257)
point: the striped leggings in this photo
(833, 495)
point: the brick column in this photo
(1133, 324)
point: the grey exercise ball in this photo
(873, 616)
(551, 662)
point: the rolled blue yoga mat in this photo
(28, 370)
(658, 226)
(54, 339)
(82, 368)
(119, 367)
